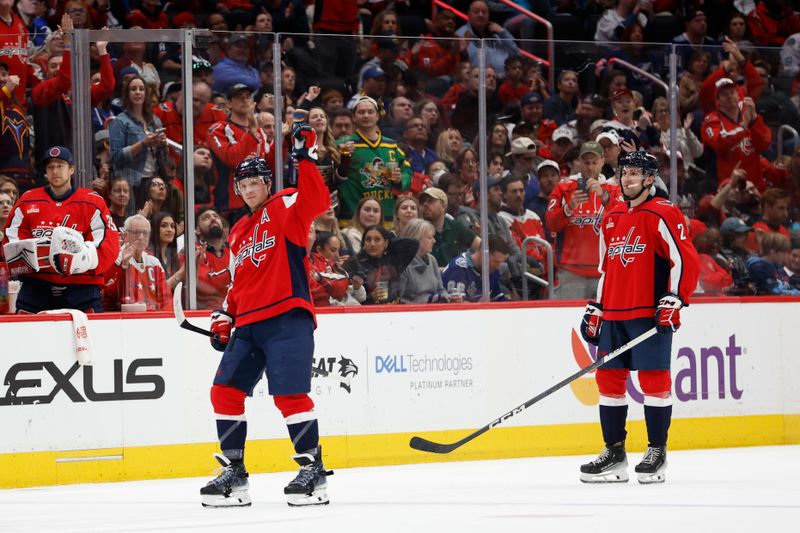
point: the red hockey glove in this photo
(221, 324)
(592, 320)
(304, 142)
(668, 314)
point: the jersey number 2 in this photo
(683, 232)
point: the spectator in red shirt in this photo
(52, 98)
(772, 21)
(205, 115)
(439, 54)
(136, 277)
(531, 111)
(514, 86)
(575, 212)
(149, 15)
(714, 278)
(213, 256)
(775, 213)
(336, 54)
(736, 134)
(327, 279)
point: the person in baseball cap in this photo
(236, 89)
(734, 225)
(435, 193)
(563, 141)
(59, 152)
(591, 147)
(522, 146)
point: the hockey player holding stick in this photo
(648, 270)
(270, 304)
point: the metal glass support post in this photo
(673, 125)
(188, 168)
(276, 83)
(81, 110)
(549, 282)
(484, 203)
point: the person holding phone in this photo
(574, 214)
(138, 148)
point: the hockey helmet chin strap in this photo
(650, 191)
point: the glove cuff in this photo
(672, 300)
(221, 314)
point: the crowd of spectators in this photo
(393, 94)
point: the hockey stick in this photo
(418, 443)
(177, 307)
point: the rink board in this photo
(142, 410)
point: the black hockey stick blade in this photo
(177, 308)
(425, 445)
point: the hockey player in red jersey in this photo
(60, 240)
(270, 304)
(648, 269)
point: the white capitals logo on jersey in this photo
(625, 249)
(593, 221)
(255, 249)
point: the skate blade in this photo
(649, 479)
(658, 476)
(236, 499)
(618, 476)
(318, 497)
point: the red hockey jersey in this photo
(528, 224)
(173, 122)
(14, 46)
(231, 144)
(143, 282)
(213, 276)
(332, 282)
(733, 143)
(579, 231)
(37, 212)
(270, 265)
(646, 252)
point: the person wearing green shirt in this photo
(452, 237)
(377, 166)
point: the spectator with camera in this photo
(575, 213)
(138, 143)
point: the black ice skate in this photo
(611, 466)
(653, 465)
(309, 487)
(229, 488)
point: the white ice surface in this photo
(752, 490)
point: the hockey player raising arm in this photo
(60, 240)
(648, 269)
(270, 304)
